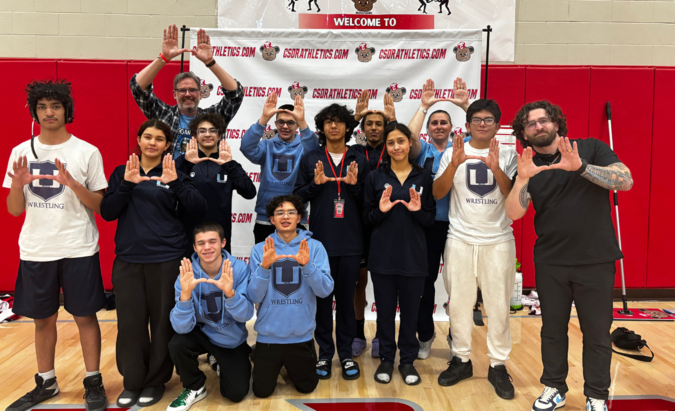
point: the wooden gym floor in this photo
(629, 377)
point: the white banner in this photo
(334, 66)
(378, 15)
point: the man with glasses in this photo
(278, 157)
(480, 248)
(208, 161)
(186, 89)
(576, 249)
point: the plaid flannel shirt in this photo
(153, 107)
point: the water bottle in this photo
(517, 296)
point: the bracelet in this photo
(422, 110)
(582, 169)
(163, 58)
(210, 63)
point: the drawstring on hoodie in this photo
(199, 292)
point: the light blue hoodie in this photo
(224, 327)
(279, 163)
(287, 298)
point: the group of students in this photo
(392, 207)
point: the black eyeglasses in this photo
(487, 120)
(184, 91)
(282, 123)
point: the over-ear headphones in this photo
(69, 107)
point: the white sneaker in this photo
(549, 400)
(594, 404)
(425, 348)
(186, 398)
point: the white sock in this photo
(145, 399)
(383, 377)
(92, 373)
(47, 375)
(124, 400)
(411, 379)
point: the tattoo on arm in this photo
(613, 177)
(524, 197)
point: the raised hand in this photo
(224, 153)
(526, 167)
(389, 109)
(63, 177)
(458, 154)
(352, 174)
(170, 43)
(492, 159)
(428, 93)
(415, 203)
(461, 94)
(302, 257)
(168, 170)
(132, 173)
(269, 109)
(269, 254)
(362, 106)
(226, 280)
(192, 153)
(385, 201)
(20, 174)
(569, 156)
(203, 50)
(298, 112)
(188, 282)
(319, 176)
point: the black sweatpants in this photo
(591, 288)
(144, 294)
(436, 236)
(345, 273)
(299, 360)
(407, 291)
(235, 366)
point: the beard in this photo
(544, 139)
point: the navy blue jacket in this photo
(373, 156)
(215, 183)
(339, 236)
(401, 247)
(149, 227)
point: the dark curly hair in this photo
(335, 112)
(553, 111)
(216, 119)
(275, 202)
(363, 120)
(386, 160)
(52, 90)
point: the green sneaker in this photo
(186, 398)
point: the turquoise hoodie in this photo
(287, 298)
(222, 319)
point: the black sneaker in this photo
(501, 380)
(456, 372)
(43, 390)
(350, 369)
(323, 369)
(94, 393)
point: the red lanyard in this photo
(342, 164)
(378, 161)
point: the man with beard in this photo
(186, 89)
(373, 124)
(439, 126)
(576, 249)
(279, 157)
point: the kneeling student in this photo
(210, 316)
(289, 271)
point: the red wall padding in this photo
(632, 115)
(107, 116)
(660, 271)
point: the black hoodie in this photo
(399, 244)
(215, 183)
(340, 236)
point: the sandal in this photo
(407, 372)
(385, 368)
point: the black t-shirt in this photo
(573, 219)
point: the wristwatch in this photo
(582, 169)
(422, 110)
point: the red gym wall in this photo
(107, 116)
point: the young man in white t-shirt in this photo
(58, 180)
(480, 249)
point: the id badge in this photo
(339, 209)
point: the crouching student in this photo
(210, 316)
(289, 271)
